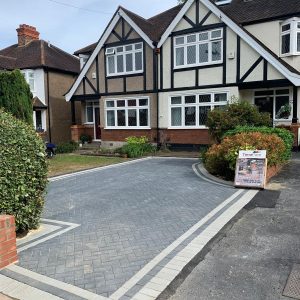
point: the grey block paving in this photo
(128, 215)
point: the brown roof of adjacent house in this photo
(38, 104)
(38, 54)
(255, 11)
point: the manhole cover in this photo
(292, 288)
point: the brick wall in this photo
(8, 248)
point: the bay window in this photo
(277, 102)
(131, 113)
(122, 60)
(198, 49)
(191, 110)
(290, 37)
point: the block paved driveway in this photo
(127, 215)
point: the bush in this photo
(85, 138)
(220, 159)
(238, 113)
(23, 172)
(137, 146)
(67, 147)
(15, 95)
(285, 135)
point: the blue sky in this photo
(66, 27)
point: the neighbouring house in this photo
(160, 77)
(50, 72)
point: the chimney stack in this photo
(26, 34)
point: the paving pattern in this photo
(127, 215)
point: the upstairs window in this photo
(198, 49)
(122, 60)
(83, 59)
(290, 37)
(29, 77)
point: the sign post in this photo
(251, 169)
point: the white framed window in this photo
(89, 112)
(191, 110)
(277, 102)
(129, 113)
(29, 77)
(122, 60)
(83, 59)
(39, 120)
(290, 37)
(196, 49)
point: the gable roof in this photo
(153, 27)
(247, 12)
(38, 54)
(286, 70)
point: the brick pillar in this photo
(8, 246)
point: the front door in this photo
(97, 129)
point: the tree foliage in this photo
(15, 95)
(23, 172)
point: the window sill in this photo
(127, 128)
(89, 123)
(198, 65)
(125, 74)
(187, 127)
(290, 54)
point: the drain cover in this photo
(292, 288)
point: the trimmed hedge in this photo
(285, 135)
(237, 113)
(220, 159)
(23, 172)
(67, 147)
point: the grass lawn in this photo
(68, 163)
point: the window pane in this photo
(111, 64)
(121, 118)
(179, 41)
(203, 112)
(143, 102)
(121, 103)
(264, 93)
(282, 107)
(203, 53)
(204, 98)
(221, 107)
(143, 117)
(110, 103)
(216, 34)
(128, 48)
(285, 46)
(286, 27)
(138, 61)
(31, 84)
(120, 63)
(191, 54)
(298, 42)
(179, 56)
(138, 46)
(190, 99)
(110, 114)
(190, 116)
(120, 49)
(131, 102)
(129, 62)
(176, 118)
(89, 114)
(216, 51)
(191, 38)
(132, 121)
(176, 100)
(38, 120)
(203, 36)
(265, 104)
(282, 92)
(221, 97)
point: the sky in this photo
(67, 27)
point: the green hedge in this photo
(67, 147)
(285, 135)
(23, 172)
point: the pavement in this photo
(256, 254)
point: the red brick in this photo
(10, 235)
(8, 256)
(4, 264)
(6, 244)
(6, 250)
(3, 235)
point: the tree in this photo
(15, 95)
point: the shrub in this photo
(220, 159)
(237, 113)
(15, 95)
(23, 172)
(67, 147)
(285, 135)
(137, 146)
(85, 138)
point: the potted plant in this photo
(85, 138)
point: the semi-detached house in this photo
(160, 77)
